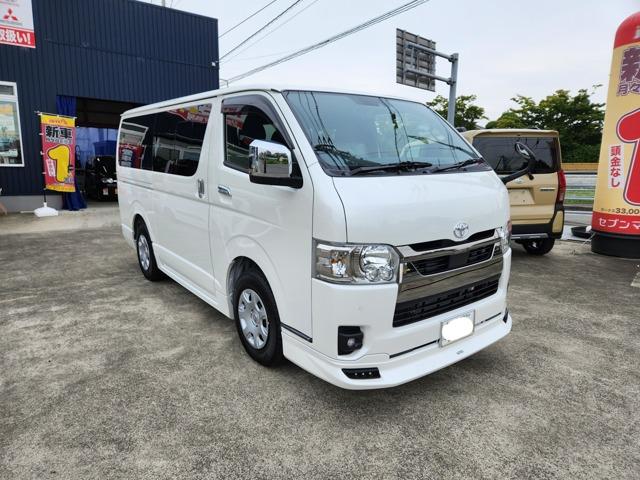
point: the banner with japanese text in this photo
(16, 23)
(58, 151)
(616, 207)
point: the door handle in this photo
(224, 190)
(200, 188)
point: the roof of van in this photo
(257, 87)
(509, 131)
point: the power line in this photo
(274, 19)
(271, 32)
(381, 18)
(248, 18)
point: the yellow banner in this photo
(58, 152)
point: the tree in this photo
(577, 119)
(467, 113)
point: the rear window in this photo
(500, 153)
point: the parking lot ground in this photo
(106, 375)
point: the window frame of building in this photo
(14, 98)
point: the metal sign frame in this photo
(416, 66)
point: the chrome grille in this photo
(442, 279)
(430, 266)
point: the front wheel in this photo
(257, 319)
(540, 246)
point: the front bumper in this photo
(401, 354)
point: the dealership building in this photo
(93, 60)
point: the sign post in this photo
(416, 66)
(58, 135)
(616, 207)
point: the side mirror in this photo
(272, 164)
(529, 156)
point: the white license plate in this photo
(456, 328)
(105, 191)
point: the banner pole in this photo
(44, 210)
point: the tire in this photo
(146, 257)
(539, 247)
(257, 319)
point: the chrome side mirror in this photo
(272, 164)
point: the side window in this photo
(164, 138)
(178, 138)
(135, 142)
(243, 125)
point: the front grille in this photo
(431, 266)
(446, 243)
(427, 307)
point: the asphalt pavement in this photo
(105, 375)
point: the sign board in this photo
(58, 151)
(616, 208)
(16, 23)
(412, 63)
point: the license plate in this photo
(105, 191)
(520, 196)
(456, 328)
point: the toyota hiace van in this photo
(359, 236)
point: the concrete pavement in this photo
(105, 375)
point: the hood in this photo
(405, 209)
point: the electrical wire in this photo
(248, 18)
(270, 22)
(373, 21)
(269, 33)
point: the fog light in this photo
(349, 340)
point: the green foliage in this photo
(577, 119)
(467, 113)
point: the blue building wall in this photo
(120, 50)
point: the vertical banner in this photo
(16, 23)
(616, 208)
(58, 151)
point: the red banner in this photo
(58, 151)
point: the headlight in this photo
(505, 236)
(351, 263)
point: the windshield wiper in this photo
(458, 166)
(428, 140)
(390, 166)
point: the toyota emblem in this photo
(461, 230)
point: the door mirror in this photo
(529, 156)
(272, 164)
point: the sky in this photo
(506, 47)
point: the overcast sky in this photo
(506, 47)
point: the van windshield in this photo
(358, 134)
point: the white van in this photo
(360, 237)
